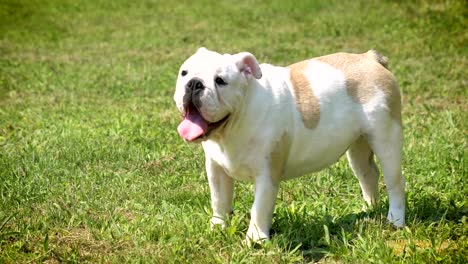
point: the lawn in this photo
(93, 170)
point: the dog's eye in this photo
(183, 73)
(220, 81)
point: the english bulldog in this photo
(266, 124)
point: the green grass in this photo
(92, 169)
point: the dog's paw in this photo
(255, 236)
(397, 218)
(248, 242)
(217, 222)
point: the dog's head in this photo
(209, 89)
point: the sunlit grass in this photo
(92, 169)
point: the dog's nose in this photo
(194, 85)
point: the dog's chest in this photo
(240, 163)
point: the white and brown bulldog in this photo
(265, 123)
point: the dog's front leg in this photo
(262, 211)
(222, 190)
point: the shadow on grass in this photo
(317, 237)
(429, 208)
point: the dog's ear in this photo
(248, 65)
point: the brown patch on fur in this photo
(306, 102)
(279, 157)
(364, 74)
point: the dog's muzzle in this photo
(195, 126)
(193, 91)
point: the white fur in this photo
(263, 110)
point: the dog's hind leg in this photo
(387, 142)
(361, 160)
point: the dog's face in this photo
(209, 88)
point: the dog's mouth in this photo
(194, 126)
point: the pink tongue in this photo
(193, 126)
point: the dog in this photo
(265, 124)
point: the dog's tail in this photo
(373, 54)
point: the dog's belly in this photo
(315, 155)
